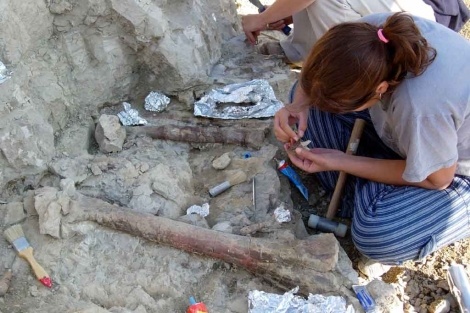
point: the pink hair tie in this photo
(381, 36)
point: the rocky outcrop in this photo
(68, 57)
(110, 134)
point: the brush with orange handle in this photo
(15, 236)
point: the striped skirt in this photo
(390, 224)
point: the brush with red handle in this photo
(15, 236)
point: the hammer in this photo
(352, 148)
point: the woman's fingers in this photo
(278, 130)
(302, 163)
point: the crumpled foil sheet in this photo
(257, 96)
(130, 116)
(262, 302)
(201, 210)
(156, 102)
(282, 215)
(4, 73)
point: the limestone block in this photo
(67, 185)
(222, 162)
(26, 145)
(110, 134)
(385, 296)
(14, 213)
(49, 211)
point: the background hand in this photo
(252, 25)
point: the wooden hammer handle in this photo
(351, 149)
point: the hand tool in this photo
(15, 236)
(196, 307)
(327, 226)
(286, 30)
(237, 178)
(289, 172)
(352, 148)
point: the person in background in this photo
(408, 192)
(312, 18)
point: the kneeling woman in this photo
(409, 79)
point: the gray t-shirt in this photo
(427, 118)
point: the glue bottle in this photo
(289, 172)
(196, 307)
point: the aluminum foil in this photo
(262, 302)
(130, 116)
(201, 210)
(253, 99)
(282, 215)
(156, 102)
(4, 73)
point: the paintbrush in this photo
(15, 236)
(235, 179)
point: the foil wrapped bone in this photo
(5, 74)
(282, 215)
(201, 210)
(156, 102)
(261, 302)
(252, 99)
(130, 116)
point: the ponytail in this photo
(408, 49)
(347, 64)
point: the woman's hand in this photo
(315, 160)
(283, 121)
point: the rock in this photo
(33, 290)
(222, 162)
(194, 219)
(28, 204)
(393, 275)
(76, 140)
(60, 7)
(75, 168)
(451, 299)
(68, 187)
(344, 266)
(144, 167)
(384, 296)
(412, 289)
(95, 169)
(26, 140)
(49, 211)
(372, 268)
(439, 306)
(443, 285)
(14, 213)
(110, 134)
(224, 227)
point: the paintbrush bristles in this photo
(14, 232)
(237, 178)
